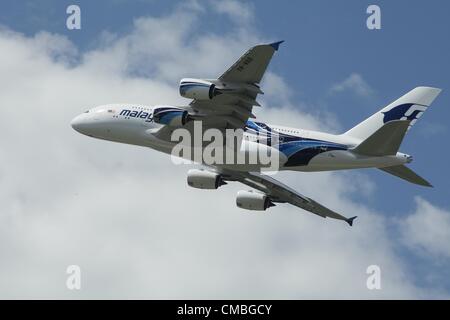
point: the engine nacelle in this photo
(197, 89)
(171, 116)
(202, 179)
(251, 200)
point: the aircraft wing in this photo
(238, 87)
(279, 192)
(251, 67)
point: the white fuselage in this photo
(303, 150)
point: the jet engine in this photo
(197, 89)
(203, 179)
(173, 117)
(251, 200)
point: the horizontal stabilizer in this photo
(385, 141)
(403, 172)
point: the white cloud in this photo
(278, 105)
(427, 230)
(240, 12)
(169, 47)
(354, 83)
(126, 215)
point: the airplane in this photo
(226, 103)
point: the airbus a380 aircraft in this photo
(227, 102)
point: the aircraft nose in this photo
(77, 123)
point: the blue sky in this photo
(326, 42)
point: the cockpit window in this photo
(87, 111)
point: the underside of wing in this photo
(227, 102)
(279, 192)
(251, 67)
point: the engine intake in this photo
(173, 117)
(251, 200)
(197, 89)
(202, 179)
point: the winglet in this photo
(276, 45)
(350, 220)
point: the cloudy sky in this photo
(125, 214)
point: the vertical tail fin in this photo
(410, 107)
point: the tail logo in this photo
(408, 111)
